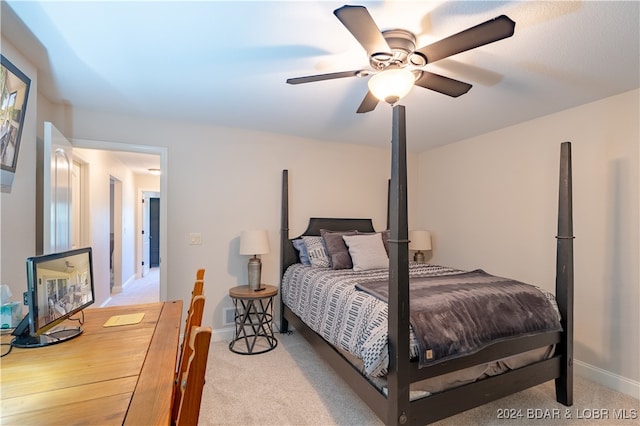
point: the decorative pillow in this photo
(302, 251)
(316, 251)
(367, 251)
(385, 238)
(337, 250)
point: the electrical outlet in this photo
(195, 239)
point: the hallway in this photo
(143, 290)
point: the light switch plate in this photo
(195, 239)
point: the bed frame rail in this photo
(443, 404)
(447, 403)
(490, 353)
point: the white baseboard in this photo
(608, 379)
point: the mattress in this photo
(354, 321)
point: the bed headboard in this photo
(290, 254)
(336, 224)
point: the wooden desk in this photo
(107, 375)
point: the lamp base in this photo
(419, 257)
(255, 270)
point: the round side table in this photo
(253, 319)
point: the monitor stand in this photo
(57, 335)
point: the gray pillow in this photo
(337, 250)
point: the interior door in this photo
(146, 246)
(57, 189)
(76, 196)
(154, 232)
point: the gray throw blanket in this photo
(460, 314)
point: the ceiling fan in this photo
(68, 266)
(396, 50)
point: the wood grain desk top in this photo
(107, 375)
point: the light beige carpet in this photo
(291, 385)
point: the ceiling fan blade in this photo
(369, 103)
(329, 76)
(360, 23)
(442, 84)
(485, 33)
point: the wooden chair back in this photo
(198, 286)
(188, 396)
(194, 319)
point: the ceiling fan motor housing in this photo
(403, 46)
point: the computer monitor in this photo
(59, 285)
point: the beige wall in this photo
(491, 203)
(18, 208)
(222, 181)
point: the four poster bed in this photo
(357, 315)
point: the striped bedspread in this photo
(328, 302)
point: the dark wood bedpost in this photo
(284, 237)
(398, 376)
(564, 277)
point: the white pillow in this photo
(317, 253)
(367, 251)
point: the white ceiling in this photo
(137, 162)
(226, 62)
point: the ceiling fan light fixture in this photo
(391, 85)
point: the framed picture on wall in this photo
(14, 93)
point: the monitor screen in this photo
(59, 286)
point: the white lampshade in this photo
(391, 85)
(254, 242)
(419, 240)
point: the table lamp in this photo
(419, 240)
(254, 243)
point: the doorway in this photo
(123, 148)
(115, 235)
